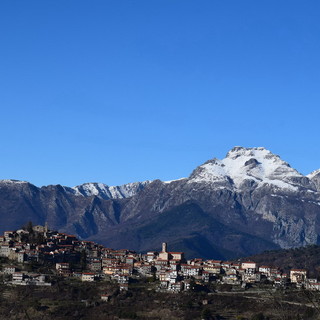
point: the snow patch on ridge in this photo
(169, 181)
(109, 192)
(12, 181)
(313, 174)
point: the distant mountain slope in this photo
(188, 228)
(247, 202)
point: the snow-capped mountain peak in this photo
(258, 165)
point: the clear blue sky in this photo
(122, 91)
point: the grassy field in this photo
(72, 299)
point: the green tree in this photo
(29, 227)
(258, 316)
(206, 314)
(83, 260)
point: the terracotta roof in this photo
(301, 270)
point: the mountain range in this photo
(246, 203)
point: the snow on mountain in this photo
(169, 181)
(313, 174)
(127, 190)
(315, 178)
(12, 181)
(242, 167)
(110, 192)
(257, 165)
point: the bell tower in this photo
(164, 247)
(46, 229)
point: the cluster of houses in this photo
(25, 278)
(71, 257)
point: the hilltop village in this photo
(66, 256)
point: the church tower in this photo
(46, 229)
(164, 255)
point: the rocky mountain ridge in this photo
(114, 192)
(247, 202)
